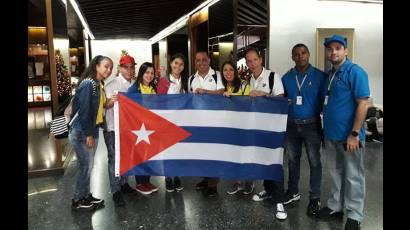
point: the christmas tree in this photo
(63, 79)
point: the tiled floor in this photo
(49, 203)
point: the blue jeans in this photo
(347, 172)
(85, 158)
(309, 135)
(115, 182)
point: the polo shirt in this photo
(262, 83)
(206, 82)
(311, 90)
(350, 82)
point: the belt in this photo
(304, 121)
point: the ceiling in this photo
(110, 19)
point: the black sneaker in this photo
(118, 199)
(169, 186)
(178, 184)
(291, 197)
(94, 200)
(210, 191)
(327, 214)
(352, 224)
(126, 189)
(262, 195)
(82, 204)
(249, 187)
(313, 207)
(236, 187)
(202, 185)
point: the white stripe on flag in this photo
(218, 118)
(222, 152)
(117, 138)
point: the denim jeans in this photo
(309, 135)
(115, 182)
(347, 173)
(85, 158)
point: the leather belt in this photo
(304, 121)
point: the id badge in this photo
(298, 100)
(326, 98)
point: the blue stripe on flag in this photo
(233, 136)
(211, 102)
(208, 168)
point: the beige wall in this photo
(296, 21)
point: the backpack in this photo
(191, 78)
(63, 118)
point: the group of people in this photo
(340, 97)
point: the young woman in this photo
(144, 85)
(231, 81)
(175, 82)
(235, 86)
(83, 134)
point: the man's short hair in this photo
(300, 45)
(254, 49)
(202, 51)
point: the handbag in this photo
(59, 127)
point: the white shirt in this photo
(262, 83)
(206, 82)
(119, 84)
(174, 85)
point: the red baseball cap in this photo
(127, 59)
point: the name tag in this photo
(298, 100)
(326, 98)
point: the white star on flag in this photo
(142, 134)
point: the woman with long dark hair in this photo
(145, 84)
(175, 82)
(87, 107)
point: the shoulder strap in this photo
(271, 81)
(215, 77)
(191, 78)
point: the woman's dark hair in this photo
(142, 70)
(91, 70)
(184, 73)
(236, 82)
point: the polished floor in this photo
(49, 200)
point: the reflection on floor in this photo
(49, 203)
(41, 148)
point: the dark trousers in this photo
(276, 189)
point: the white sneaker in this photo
(280, 212)
(262, 195)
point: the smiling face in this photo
(228, 72)
(202, 62)
(177, 66)
(336, 53)
(104, 69)
(148, 76)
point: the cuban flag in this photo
(200, 135)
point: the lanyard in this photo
(330, 83)
(303, 81)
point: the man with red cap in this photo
(121, 83)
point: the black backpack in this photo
(193, 76)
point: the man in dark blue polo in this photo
(304, 86)
(344, 110)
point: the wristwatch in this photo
(354, 133)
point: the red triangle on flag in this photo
(143, 134)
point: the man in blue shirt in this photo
(344, 110)
(304, 86)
